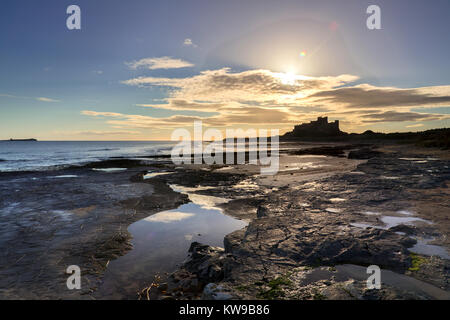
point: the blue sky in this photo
(60, 84)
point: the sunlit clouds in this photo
(262, 97)
(258, 85)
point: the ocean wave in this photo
(65, 176)
(35, 168)
(74, 165)
(15, 160)
(105, 149)
(27, 165)
(159, 149)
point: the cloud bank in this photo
(264, 98)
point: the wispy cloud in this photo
(104, 114)
(159, 63)
(106, 133)
(98, 134)
(188, 42)
(8, 95)
(393, 116)
(44, 99)
(415, 125)
(140, 121)
(180, 104)
(367, 96)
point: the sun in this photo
(288, 78)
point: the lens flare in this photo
(302, 54)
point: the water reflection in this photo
(161, 242)
(168, 216)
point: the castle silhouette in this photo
(319, 128)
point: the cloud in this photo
(97, 114)
(264, 98)
(44, 99)
(105, 133)
(96, 133)
(309, 109)
(438, 110)
(188, 42)
(8, 95)
(393, 116)
(228, 116)
(140, 121)
(251, 116)
(258, 85)
(415, 125)
(367, 96)
(180, 104)
(159, 63)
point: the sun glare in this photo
(288, 78)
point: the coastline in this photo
(285, 212)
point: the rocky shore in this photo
(314, 240)
(76, 216)
(331, 211)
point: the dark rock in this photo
(261, 211)
(114, 163)
(409, 230)
(335, 151)
(363, 153)
(233, 240)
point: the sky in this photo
(139, 69)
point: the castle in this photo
(318, 128)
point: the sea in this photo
(56, 155)
(53, 155)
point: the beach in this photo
(150, 229)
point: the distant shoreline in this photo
(20, 140)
